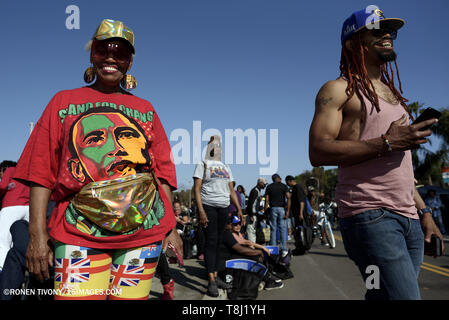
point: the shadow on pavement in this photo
(188, 282)
(329, 254)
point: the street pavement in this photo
(321, 274)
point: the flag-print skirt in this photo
(95, 274)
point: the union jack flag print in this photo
(72, 270)
(128, 276)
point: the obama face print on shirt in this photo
(105, 144)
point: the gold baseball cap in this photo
(109, 28)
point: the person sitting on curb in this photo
(232, 249)
(235, 229)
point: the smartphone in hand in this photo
(429, 113)
(434, 248)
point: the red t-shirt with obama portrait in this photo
(83, 136)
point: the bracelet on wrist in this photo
(386, 143)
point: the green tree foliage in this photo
(322, 180)
(185, 196)
(428, 169)
(415, 108)
(441, 129)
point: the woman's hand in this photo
(239, 213)
(266, 250)
(261, 255)
(39, 255)
(203, 218)
(175, 239)
(40, 248)
(178, 219)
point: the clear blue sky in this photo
(228, 63)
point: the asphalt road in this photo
(321, 274)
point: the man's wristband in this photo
(422, 211)
(386, 142)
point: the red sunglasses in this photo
(120, 51)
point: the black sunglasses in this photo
(383, 31)
(120, 51)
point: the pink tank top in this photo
(238, 237)
(383, 182)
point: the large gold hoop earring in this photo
(89, 74)
(128, 82)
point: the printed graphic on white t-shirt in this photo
(215, 186)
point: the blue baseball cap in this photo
(369, 16)
(232, 218)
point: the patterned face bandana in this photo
(118, 205)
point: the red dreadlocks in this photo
(352, 67)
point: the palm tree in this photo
(441, 129)
(415, 108)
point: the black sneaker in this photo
(276, 278)
(222, 285)
(212, 289)
(272, 285)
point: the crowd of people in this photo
(242, 235)
(228, 225)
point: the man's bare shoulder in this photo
(339, 84)
(335, 88)
(332, 93)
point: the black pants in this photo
(213, 233)
(200, 240)
(163, 270)
(15, 264)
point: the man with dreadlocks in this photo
(362, 125)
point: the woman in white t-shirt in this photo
(213, 193)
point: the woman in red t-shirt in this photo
(102, 155)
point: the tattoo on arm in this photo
(323, 101)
